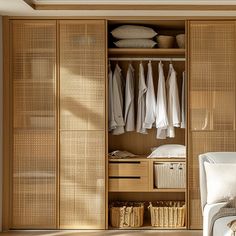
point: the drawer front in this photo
(128, 168)
(135, 183)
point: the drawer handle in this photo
(124, 162)
(124, 177)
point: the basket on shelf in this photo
(126, 214)
(165, 41)
(170, 175)
(168, 214)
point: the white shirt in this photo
(183, 123)
(129, 100)
(118, 102)
(173, 102)
(111, 119)
(141, 101)
(161, 105)
(150, 115)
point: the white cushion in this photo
(169, 150)
(221, 228)
(221, 181)
(135, 43)
(133, 32)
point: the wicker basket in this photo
(126, 214)
(167, 214)
(170, 175)
(165, 41)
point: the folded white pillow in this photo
(135, 43)
(221, 181)
(133, 32)
(169, 150)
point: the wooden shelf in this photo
(144, 157)
(146, 51)
(169, 190)
(147, 227)
(154, 190)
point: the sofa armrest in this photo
(209, 211)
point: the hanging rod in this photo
(145, 59)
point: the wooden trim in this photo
(188, 121)
(6, 124)
(58, 123)
(106, 126)
(124, 18)
(151, 175)
(159, 7)
(187, 118)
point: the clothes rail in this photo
(145, 59)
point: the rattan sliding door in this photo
(82, 124)
(33, 137)
(212, 101)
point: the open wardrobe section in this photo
(104, 119)
(147, 135)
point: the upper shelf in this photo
(146, 51)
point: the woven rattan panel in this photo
(33, 175)
(82, 198)
(211, 99)
(82, 124)
(82, 72)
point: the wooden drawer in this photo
(128, 184)
(128, 175)
(128, 168)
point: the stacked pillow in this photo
(134, 36)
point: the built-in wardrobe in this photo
(57, 172)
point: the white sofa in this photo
(220, 227)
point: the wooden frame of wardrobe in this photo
(7, 97)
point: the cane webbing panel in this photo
(33, 203)
(82, 180)
(82, 73)
(82, 124)
(211, 99)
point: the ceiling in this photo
(21, 8)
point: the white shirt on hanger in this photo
(183, 123)
(150, 115)
(173, 102)
(161, 105)
(129, 100)
(118, 102)
(141, 101)
(111, 119)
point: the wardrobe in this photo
(57, 173)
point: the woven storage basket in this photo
(169, 214)
(123, 214)
(165, 41)
(170, 175)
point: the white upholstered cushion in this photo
(221, 181)
(220, 227)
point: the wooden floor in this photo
(104, 233)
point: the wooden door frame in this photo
(7, 98)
